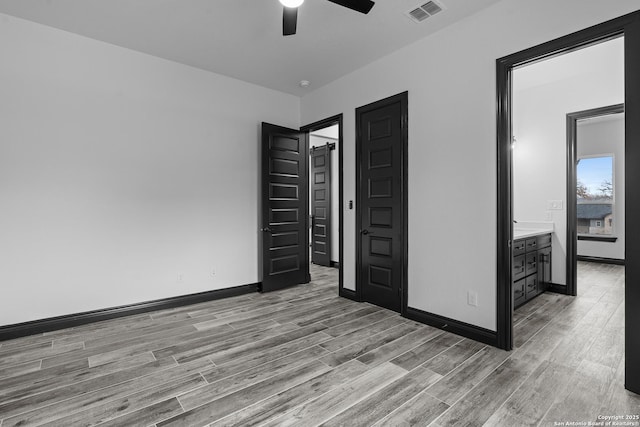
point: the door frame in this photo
(330, 121)
(572, 199)
(402, 98)
(629, 26)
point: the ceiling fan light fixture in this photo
(291, 3)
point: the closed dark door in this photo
(321, 205)
(381, 211)
(285, 238)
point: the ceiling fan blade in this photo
(362, 6)
(289, 20)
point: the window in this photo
(595, 193)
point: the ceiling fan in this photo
(290, 11)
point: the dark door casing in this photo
(321, 205)
(381, 209)
(629, 26)
(285, 237)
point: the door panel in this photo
(544, 268)
(381, 212)
(285, 257)
(321, 205)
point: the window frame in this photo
(587, 236)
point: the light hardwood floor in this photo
(306, 357)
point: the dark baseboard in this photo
(335, 264)
(559, 289)
(600, 260)
(631, 389)
(466, 330)
(62, 322)
(348, 293)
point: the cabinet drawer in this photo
(532, 244)
(531, 286)
(519, 295)
(519, 247)
(519, 268)
(532, 263)
(544, 241)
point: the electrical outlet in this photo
(548, 216)
(179, 277)
(213, 271)
(472, 298)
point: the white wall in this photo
(316, 141)
(450, 77)
(591, 78)
(120, 171)
(604, 137)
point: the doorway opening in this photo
(596, 170)
(543, 162)
(326, 204)
(285, 203)
(629, 27)
(323, 197)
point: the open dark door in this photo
(285, 237)
(321, 205)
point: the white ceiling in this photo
(243, 38)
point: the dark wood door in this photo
(321, 205)
(285, 237)
(381, 211)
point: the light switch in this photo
(555, 205)
(472, 298)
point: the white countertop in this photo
(524, 229)
(523, 233)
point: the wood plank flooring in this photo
(305, 357)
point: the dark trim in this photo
(632, 203)
(559, 289)
(600, 260)
(466, 330)
(598, 239)
(572, 180)
(629, 26)
(504, 315)
(348, 293)
(62, 322)
(504, 67)
(330, 121)
(403, 99)
(335, 264)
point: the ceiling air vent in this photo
(422, 12)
